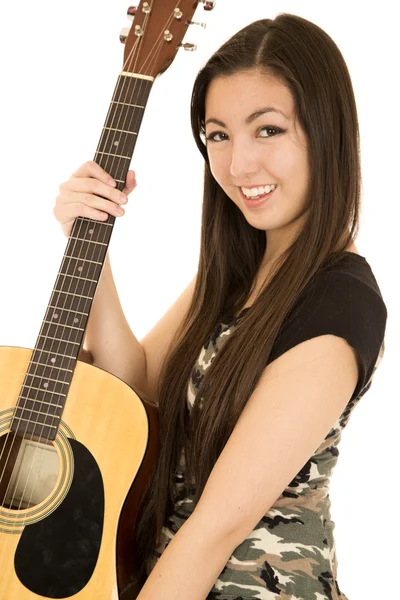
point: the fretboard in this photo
(46, 385)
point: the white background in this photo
(59, 65)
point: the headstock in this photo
(156, 34)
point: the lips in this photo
(253, 202)
(257, 187)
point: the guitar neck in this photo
(118, 139)
(61, 335)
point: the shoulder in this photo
(344, 302)
(346, 288)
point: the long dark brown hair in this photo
(312, 67)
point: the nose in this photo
(244, 161)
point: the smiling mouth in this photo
(257, 196)
(258, 201)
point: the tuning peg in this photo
(209, 4)
(131, 12)
(189, 47)
(124, 34)
(204, 25)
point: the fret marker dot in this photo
(76, 320)
(116, 143)
(46, 385)
(80, 268)
(55, 316)
(91, 231)
(53, 360)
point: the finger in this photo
(76, 209)
(90, 187)
(99, 203)
(91, 169)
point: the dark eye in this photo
(276, 130)
(211, 137)
(267, 127)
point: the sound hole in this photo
(28, 471)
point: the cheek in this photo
(219, 168)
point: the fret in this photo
(122, 131)
(39, 394)
(78, 277)
(48, 337)
(82, 271)
(44, 390)
(55, 353)
(47, 379)
(121, 116)
(68, 318)
(126, 104)
(78, 288)
(42, 402)
(37, 412)
(68, 310)
(64, 325)
(68, 332)
(89, 227)
(58, 361)
(72, 294)
(33, 423)
(84, 259)
(41, 431)
(37, 408)
(117, 143)
(96, 222)
(90, 241)
(115, 155)
(117, 169)
(34, 362)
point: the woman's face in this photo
(249, 150)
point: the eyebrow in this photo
(251, 118)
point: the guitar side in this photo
(105, 430)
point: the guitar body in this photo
(77, 444)
(63, 545)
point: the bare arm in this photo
(109, 340)
(115, 348)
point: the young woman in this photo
(260, 362)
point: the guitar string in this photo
(24, 408)
(113, 160)
(71, 242)
(48, 414)
(52, 343)
(94, 222)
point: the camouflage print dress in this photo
(291, 554)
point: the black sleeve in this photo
(344, 304)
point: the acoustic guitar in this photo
(77, 443)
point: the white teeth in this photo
(255, 192)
